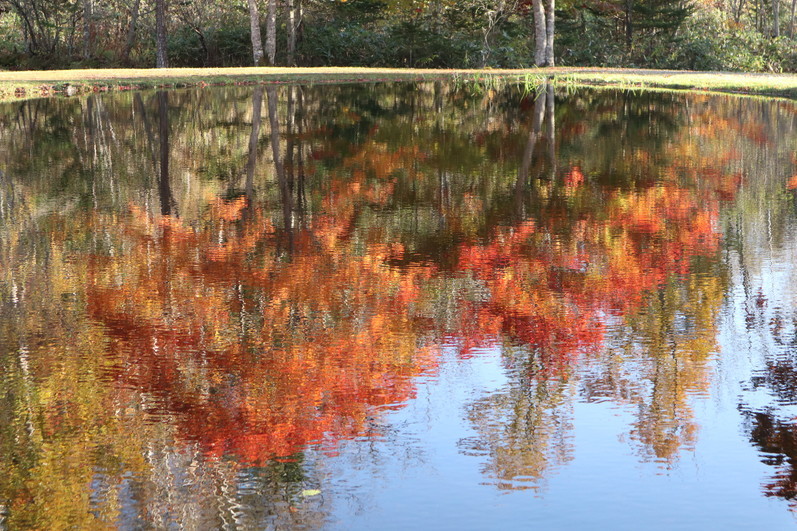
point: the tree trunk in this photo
(257, 40)
(629, 23)
(299, 20)
(791, 20)
(271, 31)
(540, 35)
(550, 16)
(131, 32)
(776, 18)
(291, 33)
(737, 12)
(162, 58)
(87, 16)
(27, 38)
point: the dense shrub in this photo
(336, 44)
(588, 40)
(707, 40)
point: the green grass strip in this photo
(34, 84)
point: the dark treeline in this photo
(750, 35)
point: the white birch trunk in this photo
(271, 31)
(257, 40)
(540, 36)
(549, 31)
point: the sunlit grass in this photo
(784, 85)
(32, 84)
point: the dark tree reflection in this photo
(164, 186)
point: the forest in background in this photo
(738, 35)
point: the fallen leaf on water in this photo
(311, 492)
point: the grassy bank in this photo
(33, 84)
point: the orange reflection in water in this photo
(256, 356)
(258, 352)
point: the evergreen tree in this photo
(655, 18)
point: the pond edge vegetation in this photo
(36, 84)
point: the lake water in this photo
(393, 306)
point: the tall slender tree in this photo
(271, 31)
(131, 31)
(87, 23)
(540, 33)
(544, 31)
(291, 48)
(161, 54)
(654, 17)
(550, 23)
(254, 26)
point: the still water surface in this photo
(395, 306)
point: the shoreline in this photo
(15, 86)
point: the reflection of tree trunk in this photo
(445, 195)
(300, 197)
(257, 105)
(282, 181)
(528, 152)
(550, 119)
(101, 143)
(442, 175)
(163, 132)
(289, 140)
(90, 144)
(161, 59)
(148, 130)
(131, 32)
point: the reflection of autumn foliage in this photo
(525, 429)
(558, 292)
(536, 297)
(247, 331)
(257, 356)
(550, 289)
(258, 352)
